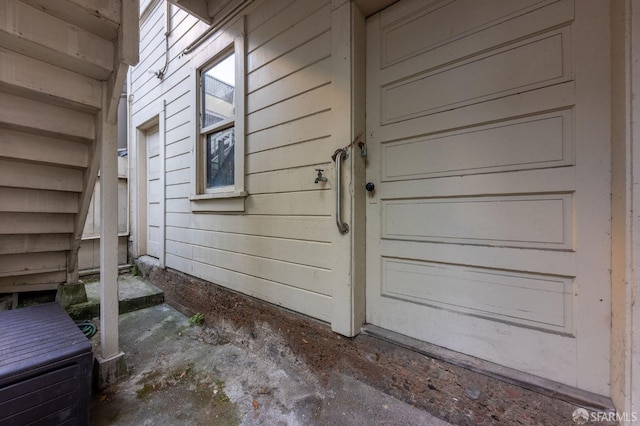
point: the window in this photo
(217, 108)
(219, 74)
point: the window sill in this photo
(222, 202)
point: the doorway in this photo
(488, 138)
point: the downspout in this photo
(167, 31)
(223, 20)
(129, 132)
(162, 128)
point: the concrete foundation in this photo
(445, 390)
(71, 294)
(107, 372)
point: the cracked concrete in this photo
(450, 392)
(224, 376)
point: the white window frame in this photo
(228, 198)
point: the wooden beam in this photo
(107, 135)
(35, 223)
(108, 9)
(18, 174)
(129, 32)
(42, 149)
(17, 111)
(343, 302)
(52, 40)
(37, 201)
(34, 282)
(23, 288)
(99, 17)
(33, 243)
(126, 54)
(198, 8)
(47, 81)
(89, 183)
(115, 83)
(32, 263)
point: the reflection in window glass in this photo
(220, 158)
(218, 91)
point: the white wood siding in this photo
(44, 150)
(57, 62)
(89, 253)
(279, 249)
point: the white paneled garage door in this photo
(488, 133)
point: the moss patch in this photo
(143, 393)
(196, 389)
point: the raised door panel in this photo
(487, 232)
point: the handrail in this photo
(338, 156)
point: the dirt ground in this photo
(184, 375)
(447, 391)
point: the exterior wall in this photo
(625, 20)
(47, 128)
(56, 109)
(89, 253)
(282, 247)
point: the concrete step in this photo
(134, 293)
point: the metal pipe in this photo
(129, 137)
(167, 31)
(342, 227)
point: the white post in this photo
(633, 326)
(108, 236)
(625, 229)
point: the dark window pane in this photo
(218, 91)
(220, 159)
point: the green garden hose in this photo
(88, 328)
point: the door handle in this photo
(338, 156)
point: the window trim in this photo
(228, 198)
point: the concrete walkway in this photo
(182, 375)
(133, 293)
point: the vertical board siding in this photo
(279, 249)
(92, 224)
(89, 253)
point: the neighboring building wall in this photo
(280, 248)
(89, 254)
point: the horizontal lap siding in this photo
(47, 126)
(279, 249)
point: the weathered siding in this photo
(279, 249)
(60, 62)
(89, 253)
(44, 149)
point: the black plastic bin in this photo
(45, 368)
